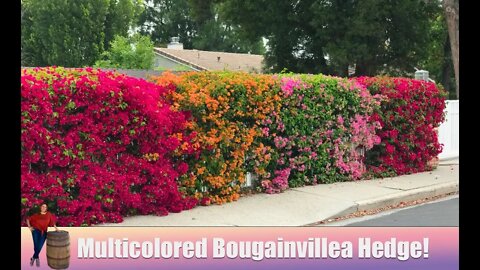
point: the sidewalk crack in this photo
(401, 189)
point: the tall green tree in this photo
(293, 42)
(163, 19)
(375, 36)
(197, 24)
(122, 15)
(438, 61)
(214, 34)
(202, 11)
(331, 35)
(66, 33)
(71, 33)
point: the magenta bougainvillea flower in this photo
(98, 146)
(410, 112)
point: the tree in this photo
(202, 10)
(451, 13)
(292, 41)
(216, 35)
(438, 61)
(65, 33)
(121, 16)
(71, 33)
(375, 36)
(163, 19)
(197, 24)
(130, 53)
(330, 35)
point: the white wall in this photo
(449, 130)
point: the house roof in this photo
(207, 60)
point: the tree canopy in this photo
(198, 24)
(331, 35)
(72, 33)
(130, 53)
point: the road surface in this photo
(433, 214)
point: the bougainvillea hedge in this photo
(98, 146)
(317, 135)
(409, 115)
(226, 110)
(289, 130)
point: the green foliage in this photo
(317, 128)
(197, 24)
(72, 33)
(377, 36)
(312, 36)
(214, 35)
(438, 60)
(201, 10)
(163, 19)
(56, 32)
(130, 53)
(292, 41)
(122, 14)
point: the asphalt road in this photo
(441, 213)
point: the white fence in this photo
(449, 130)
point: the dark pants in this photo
(38, 241)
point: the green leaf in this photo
(70, 105)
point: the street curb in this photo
(394, 199)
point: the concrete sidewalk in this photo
(307, 205)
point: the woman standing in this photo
(38, 224)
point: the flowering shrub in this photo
(226, 110)
(315, 135)
(98, 146)
(409, 114)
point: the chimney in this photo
(175, 44)
(421, 75)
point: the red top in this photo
(41, 222)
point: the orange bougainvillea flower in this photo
(226, 110)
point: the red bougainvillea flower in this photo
(98, 146)
(410, 112)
